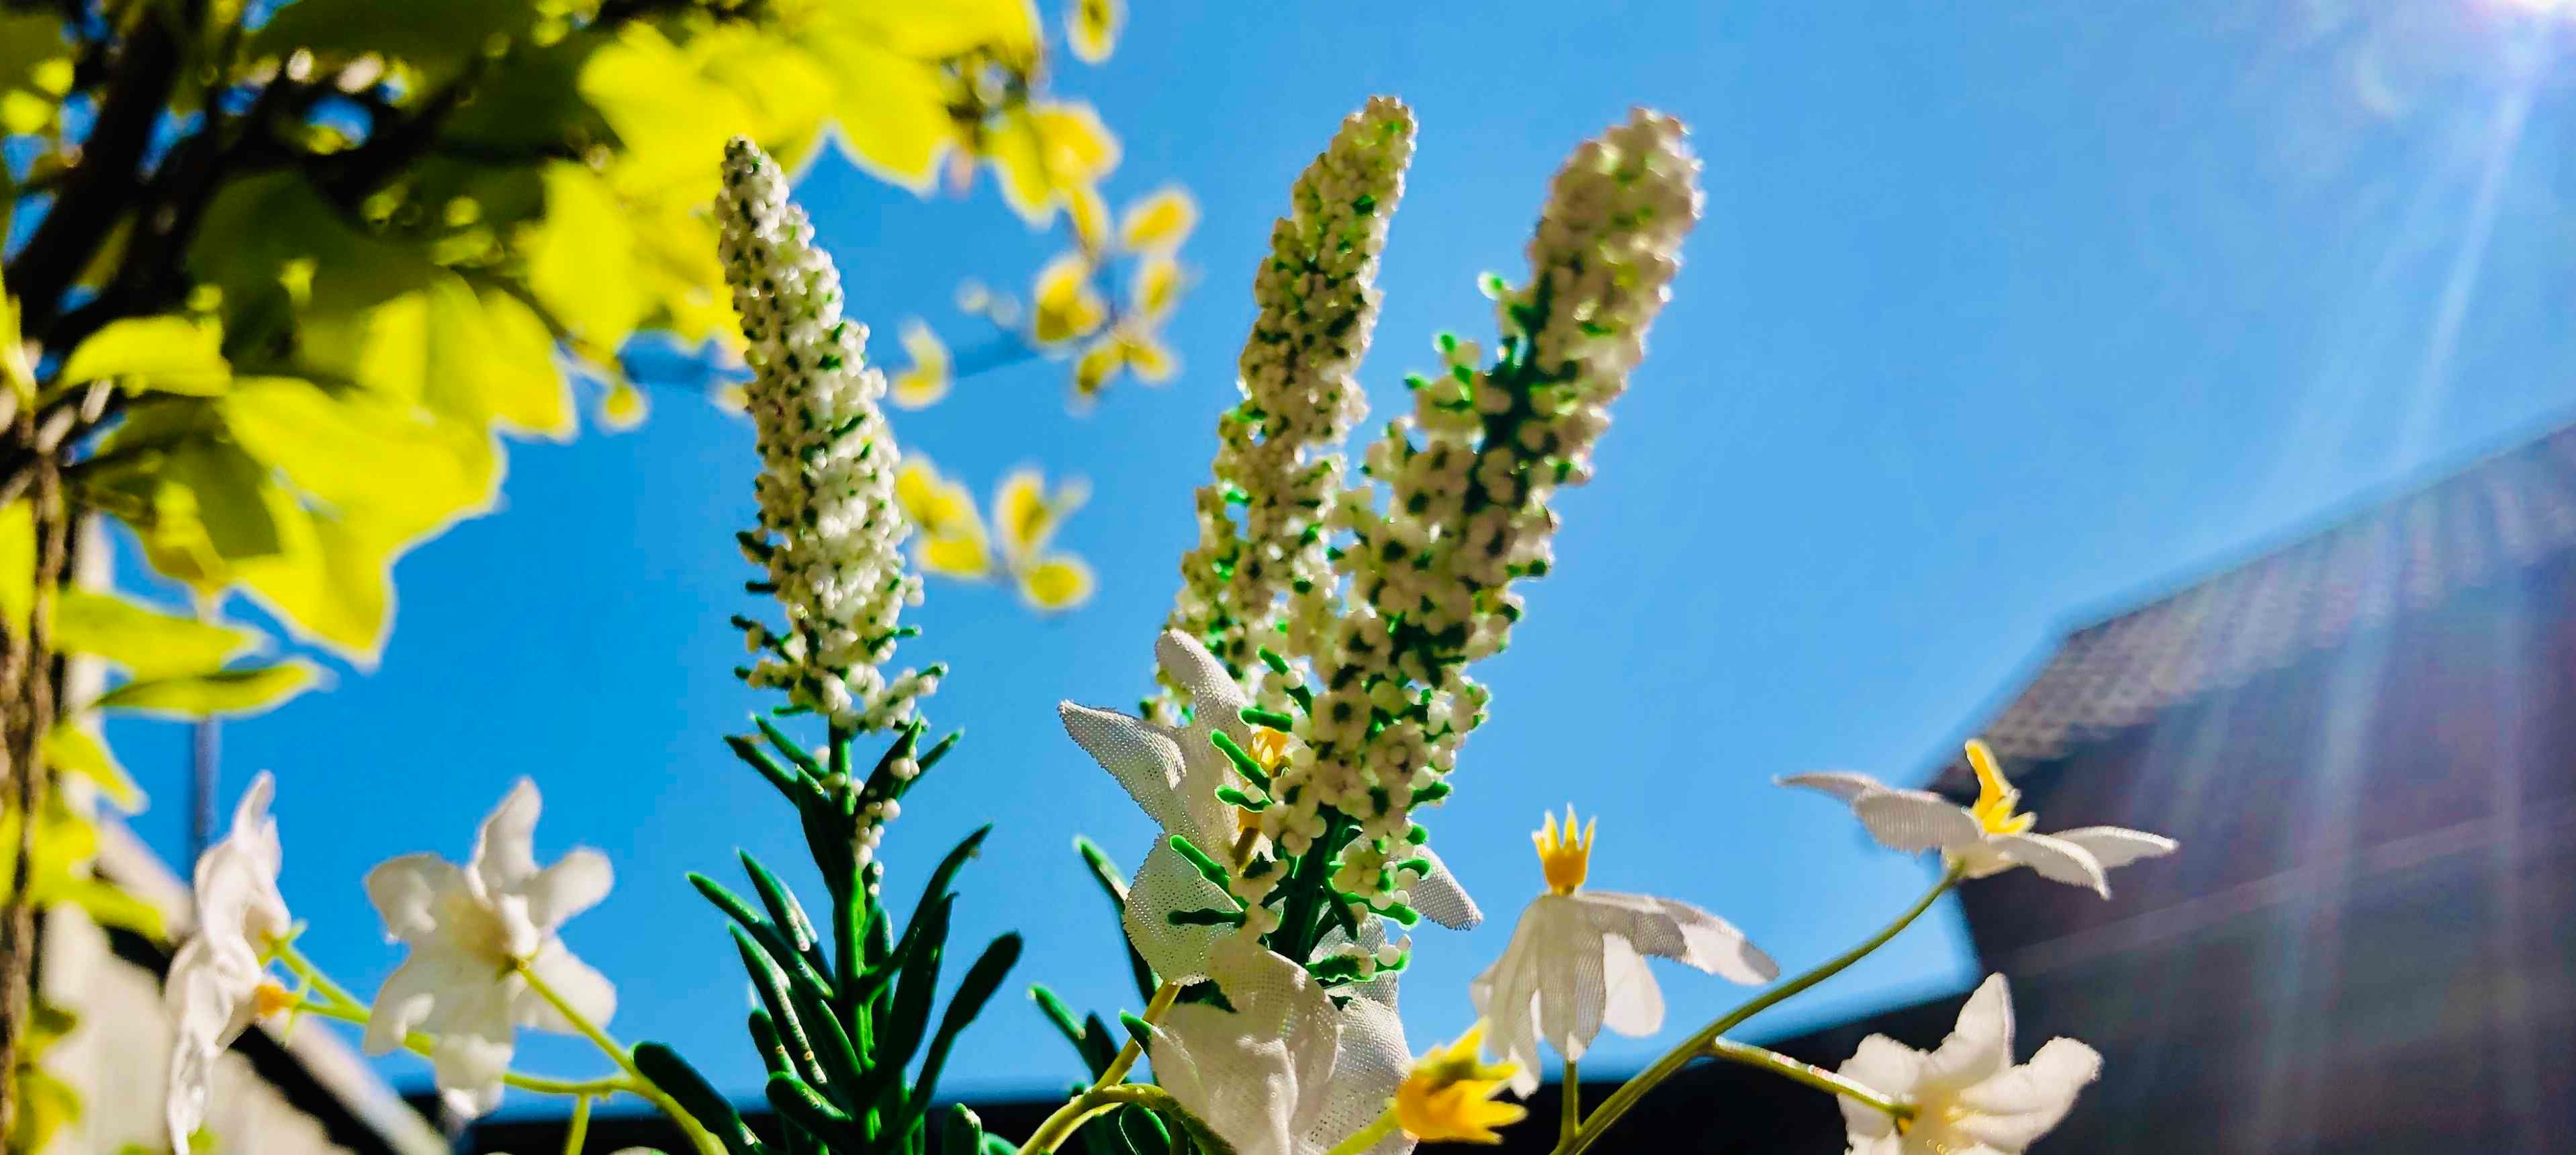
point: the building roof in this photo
(2502, 513)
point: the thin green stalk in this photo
(1069, 1118)
(1808, 1073)
(1570, 1113)
(1634, 1089)
(580, 1128)
(303, 968)
(1079, 1110)
(705, 1142)
(423, 1045)
(1379, 1128)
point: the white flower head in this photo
(218, 983)
(1285, 1072)
(1577, 961)
(1989, 837)
(1968, 1096)
(476, 933)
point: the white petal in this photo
(2013, 1109)
(1565, 960)
(2114, 846)
(1216, 700)
(1883, 1065)
(1980, 1046)
(1164, 884)
(589, 992)
(1140, 755)
(1842, 784)
(2055, 861)
(1240, 1083)
(575, 883)
(1914, 821)
(505, 852)
(409, 893)
(1507, 999)
(1369, 1061)
(417, 992)
(1667, 928)
(475, 1039)
(1635, 1006)
(1439, 897)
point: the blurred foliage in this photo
(289, 275)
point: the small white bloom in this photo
(1989, 837)
(1968, 1097)
(218, 984)
(1285, 1072)
(472, 931)
(1576, 962)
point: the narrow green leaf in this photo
(767, 979)
(786, 746)
(691, 1091)
(784, 912)
(167, 354)
(225, 693)
(772, 943)
(1097, 1051)
(798, 788)
(973, 991)
(917, 986)
(803, 1106)
(961, 1133)
(1057, 1013)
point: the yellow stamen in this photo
(1564, 860)
(1269, 748)
(1448, 1096)
(1995, 797)
(270, 999)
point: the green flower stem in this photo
(1808, 1073)
(424, 1045)
(1069, 1118)
(1367, 1137)
(1570, 1117)
(580, 1128)
(303, 968)
(1081, 1108)
(1698, 1044)
(699, 1137)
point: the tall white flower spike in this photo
(218, 983)
(1968, 1097)
(1989, 837)
(1173, 773)
(473, 931)
(1577, 961)
(1285, 1072)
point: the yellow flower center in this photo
(1448, 1096)
(270, 999)
(1995, 797)
(1565, 859)
(1269, 748)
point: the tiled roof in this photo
(2495, 517)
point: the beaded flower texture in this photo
(1310, 702)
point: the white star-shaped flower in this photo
(1988, 837)
(1968, 1097)
(1576, 962)
(472, 931)
(1173, 773)
(1285, 1072)
(218, 983)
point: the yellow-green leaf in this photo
(366, 456)
(891, 113)
(224, 692)
(581, 262)
(153, 354)
(72, 750)
(146, 640)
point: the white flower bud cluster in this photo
(1260, 521)
(831, 535)
(1469, 475)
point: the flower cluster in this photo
(831, 533)
(1261, 519)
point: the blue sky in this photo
(2000, 316)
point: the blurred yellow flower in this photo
(1448, 1097)
(1158, 285)
(1091, 28)
(1067, 305)
(1040, 153)
(1126, 348)
(952, 541)
(1090, 216)
(931, 372)
(1160, 221)
(1025, 519)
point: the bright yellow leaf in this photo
(1026, 516)
(927, 379)
(581, 262)
(936, 29)
(1066, 304)
(891, 111)
(1042, 152)
(75, 751)
(1091, 28)
(366, 456)
(1058, 583)
(145, 640)
(1160, 221)
(1158, 285)
(164, 354)
(624, 407)
(1090, 215)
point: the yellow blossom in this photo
(1158, 284)
(1449, 1095)
(1090, 215)
(1995, 797)
(1564, 859)
(931, 372)
(952, 531)
(1067, 305)
(1043, 152)
(1160, 221)
(1025, 519)
(1124, 348)
(1091, 28)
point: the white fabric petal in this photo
(1369, 1061)
(1506, 997)
(1216, 707)
(1842, 784)
(2012, 1110)
(1883, 1065)
(2055, 860)
(1635, 1005)
(505, 854)
(575, 883)
(475, 1040)
(1981, 1045)
(208, 990)
(1144, 758)
(1667, 928)
(2115, 846)
(1239, 1084)
(1565, 958)
(589, 992)
(1164, 884)
(1914, 821)
(1439, 897)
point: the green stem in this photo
(1081, 1109)
(580, 1128)
(1570, 1114)
(1068, 1118)
(1808, 1073)
(303, 968)
(424, 1045)
(638, 1082)
(1379, 1128)
(1634, 1089)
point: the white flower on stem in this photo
(1173, 773)
(1968, 1096)
(476, 933)
(1988, 837)
(218, 983)
(1577, 961)
(1284, 1072)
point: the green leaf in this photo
(973, 991)
(366, 456)
(805, 1108)
(225, 692)
(918, 985)
(1059, 1014)
(69, 749)
(961, 1132)
(784, 912)
(691, 1090)
(35, 73)
(437, 39)
(149, 641)
(581, 262)
(153, 354)
(780, 953)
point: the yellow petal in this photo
(928, 378)
(1098, 366)
(1160, 221)
(1091, 28)
(1158, 284)
(936, 504)
(624, 406)
(960, 554)
(1067, 305)
(1043, 152)
(1061, 582)
(1090, 217)
(1020, 514)
(1152, 361)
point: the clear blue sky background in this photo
(2002, 315)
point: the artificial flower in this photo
(1968, 1098)
(218, 982)
(1989, 837)
(1285, 1072)
(953, 541)
(1448, 1096)
(478, 934)
(1576, 962)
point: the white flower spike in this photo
(1577, 961)
(1989, 837)
(218, 983)
(476, 934)
(1173, 773)
(1968, 1097)
(1285, 1072)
